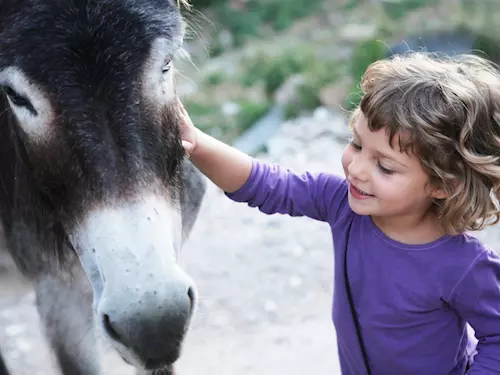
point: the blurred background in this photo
(274, 78)
(253, 57)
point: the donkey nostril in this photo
(109, 328)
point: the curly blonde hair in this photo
(449, 110)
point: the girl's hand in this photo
(225, 166)
(188, 130)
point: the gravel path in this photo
(265, 281)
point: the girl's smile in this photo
(358, 193)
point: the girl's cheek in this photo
(346, 157)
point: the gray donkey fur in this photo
(96, 196)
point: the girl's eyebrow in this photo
(385, 156)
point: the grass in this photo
(259, 18)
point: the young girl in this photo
(422, 169)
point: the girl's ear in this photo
(442, 193)
(439, 194)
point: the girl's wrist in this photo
(201, 140)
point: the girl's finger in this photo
(181, 107)
(188, 147)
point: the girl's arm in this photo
(227, 167)
(270, 187)
(477, 299)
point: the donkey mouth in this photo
(160, 370)
(159, 367)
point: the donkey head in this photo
(91, 157)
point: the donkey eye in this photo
(16, 99)
(167, 67)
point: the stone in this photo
(230, 108)
(295, 281)
(225, 38)
(270, 306)
(287, 92)
(356, 32)
(333, 96)
(279, 146)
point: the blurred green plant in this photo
(206, 3)
(203, 115)
(241, 24)
(397, 9)
(209, 118)
(488, 47)
(280, 15)
(352, 4)
(319, 74)
(257, 15)
(272, 71)
(353, 98)
(365, 53)
(249, 113)
(215, 78)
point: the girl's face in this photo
(383, 181)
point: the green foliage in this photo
(216, 48)
(397, 9)
(240, 24)
(273, 70)
(318, 75)
(365, 53)
(291, 110)
(210, 119)
(258, 14)
(487, 47)
(206, 3)
(215, 78)
(197, 109)
(354, 98)
(308, 99)
(249, 113)
(281, 16)
(352, 4)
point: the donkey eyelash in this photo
(166, 67)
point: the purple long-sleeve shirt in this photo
(412, 301)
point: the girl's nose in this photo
(357, 168)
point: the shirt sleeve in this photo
(476, 297)
(275, 189)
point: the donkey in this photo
(96, 194)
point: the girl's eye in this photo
(384, 170)
(355, 145)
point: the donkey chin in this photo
(143, 301)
